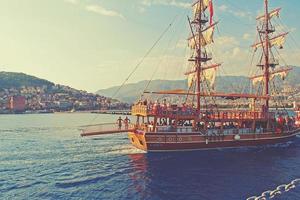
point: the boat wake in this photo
(125, 150)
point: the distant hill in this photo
(17, 80)
(131, 92)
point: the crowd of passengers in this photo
(282, 123)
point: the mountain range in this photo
(131, 92)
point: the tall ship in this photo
(199, 122)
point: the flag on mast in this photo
(211, 11)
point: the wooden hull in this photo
(161, 142)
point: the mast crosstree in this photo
(267, 41)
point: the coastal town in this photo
(57, 98)
(60, 98)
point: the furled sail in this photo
(208, 75)
(200, 6)
(257, 80)
(280, 73)
(204, 39)
(273, 13)
(276, 41)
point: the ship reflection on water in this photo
(217, 174)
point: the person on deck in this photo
(119, 122)
(126, 122)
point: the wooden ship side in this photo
(160, 142)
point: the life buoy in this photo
(237, 137)
(179, 139)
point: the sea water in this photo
(44, 157)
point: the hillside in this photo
(131, 92)
(17, 80)
(45, 96)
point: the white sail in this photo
(200, 6)
(205, 38)
(276, 41)
(208, 75)
(281, 74)
(273, 13)
(257, 80)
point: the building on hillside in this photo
(17, 103)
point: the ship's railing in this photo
(212, 131)
(175, 111)
(157, 110)
(240, 115)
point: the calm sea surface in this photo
(43, 157)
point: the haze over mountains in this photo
(131, 92)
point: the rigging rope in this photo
(141, 61)
(145, 56)
(160, 61)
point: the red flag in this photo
(211, 11)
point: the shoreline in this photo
(108, 112)
(103, 112)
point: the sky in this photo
(96, 44)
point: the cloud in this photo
(226, 41)
(141, 9)
(236, 51)
(175, 3)
(72, 1)
(291, 56)
(103, 11)
(236, 13)
(247, 36)
(98, 9)
(182, 43)
(223, 8)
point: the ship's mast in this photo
(267, 64)
(198, 62)
(201, 35)
(268, 41)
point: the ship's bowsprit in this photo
(104, 129)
